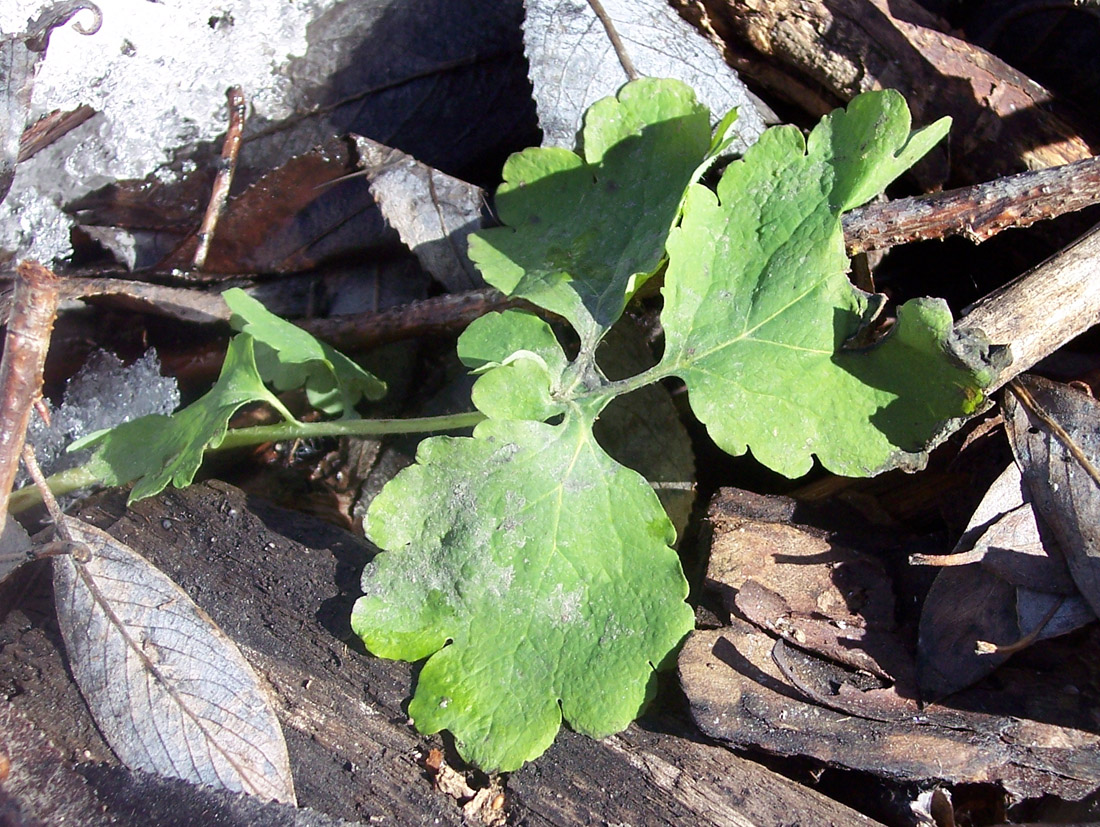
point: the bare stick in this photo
(1039, 311)
(49, 128)
(220, 194)
(978, 212)
(440, 315)
(616, 43)
(962, 558)
(33, 310)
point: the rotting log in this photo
(1044, 308)
(822, 53)
(281, 584)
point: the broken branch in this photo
(978, 212)
(1039, 311)
(33, 310)
(224, 180)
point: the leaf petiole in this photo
(74, 479)
(621, 387)
(240, 437)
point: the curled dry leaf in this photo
(1004, 595)
(265, 227)
(434, 213)
(170, 692)
(966, 604)
(1055, 436)
(15, 547)
(1011, 541)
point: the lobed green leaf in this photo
(289, 357)
(759, 312)
(520, 362)
(583, 234)
(536, 573)
(159, 450)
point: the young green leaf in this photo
(520, 362)
(160, 450)
(585, 233)
(537, 574)
(289, 357)
(758, 309)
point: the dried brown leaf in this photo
(965, 605)
(14, 547)
(434, 213)
(1056, 439)
(170, 692)
(1013, 541)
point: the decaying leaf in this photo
(14, 547)
(265, 227)
(170, 692)
(965, 605)
(1021, 592)
(1045, 615)
(573, 62)
(434, 213)
(783, 685)
(1011, 541)
(1054, 468)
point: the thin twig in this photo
(613, 36)
(30, 462)
(962, 558)
(985, 647)
(50, 128)
(978, 212)
(34, 307)
(79, 551)
(224, 180)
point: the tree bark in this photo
(1003, 121)
(282, 584)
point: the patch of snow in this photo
(157, 73)
(102, 394)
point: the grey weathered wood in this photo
(281, 585)
(1039, 311)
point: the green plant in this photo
(535, 573)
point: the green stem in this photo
(66, 482)
(633, 383)
(61, 483)
(240, 437)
